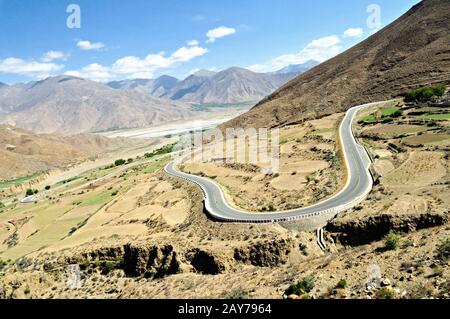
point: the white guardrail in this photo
(331, 211)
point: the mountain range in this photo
(412, 51)
(71, 105)
(233, 85)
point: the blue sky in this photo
(147, 38)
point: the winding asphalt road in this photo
(358, 185)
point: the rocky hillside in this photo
(410, 52)
(73, 105)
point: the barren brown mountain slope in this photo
(23, 152)
(410, 52)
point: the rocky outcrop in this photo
(206, 262)
(150, 261)
(103, 253)
(264, 254)
(365, 230)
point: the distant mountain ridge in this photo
(155, 87)
(233, 85)
(71, 105)
(298, 68)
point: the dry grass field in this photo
(309, 170)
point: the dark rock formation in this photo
(205, 262)
(365, 230)
(150, 261)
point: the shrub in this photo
(47, 187)
(385, 293)
(160, 151)
(237, 294)
(392, 240)
(119, 162)
(130, 160)
(342, 284)
(109, 266)
(421, 290)
(31, 191)
(407, 243)
(303, 286)
(443, 250)
(397, 113)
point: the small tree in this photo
(47, 187)
(410, 97)
(392, 240)
(29, 192)
(425, 94)
(439, 90)
(119, 162)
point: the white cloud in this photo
(135, 67)
(54, 55)
(192, 43)
(29, 68)
(87, 45)
(319, 50)
(219, 32)
(324, 43)
(353, 33)
(185, 54)
(93, 71)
